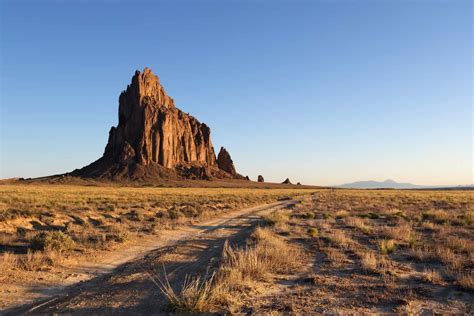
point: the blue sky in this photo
(322, 92)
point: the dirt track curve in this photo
(126, 283)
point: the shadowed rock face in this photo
(224, 161)
(153, 138)
(260, 178)
(287, 181)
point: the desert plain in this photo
(268, 249)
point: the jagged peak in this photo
(145, 88)
(224, 161)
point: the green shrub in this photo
(373, 215)
(275, 217)
(313, 232)
(52, 240)
(387, 246)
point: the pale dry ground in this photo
(52, 236)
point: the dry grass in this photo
(387, 246)
(369, 262)
(9, 261)
(61, 218)
(196, 294)
(269, 254)
(335, 256)
(432, 276)
(437, 216)
(341, 214)
(33, 261)
(387, 230)
(359, 223)
(465, 280)
(422, 253)
(402, 232)
(460, 244)
(449, 258)
(239, 270)
(374, 263)
(276, 217)
(339, 239)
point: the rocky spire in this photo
(224, 161)
(153, 132)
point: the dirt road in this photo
(125, 282)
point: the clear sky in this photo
(322, 92)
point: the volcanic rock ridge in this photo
(155, 139)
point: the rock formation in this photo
(224, 161)
(154, 138)
(287, 181)
(260, 178)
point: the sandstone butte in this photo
(155, 139)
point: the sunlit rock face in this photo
(155, 138)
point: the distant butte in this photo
(155, 139)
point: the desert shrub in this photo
(32, 261)
(421, 253)
(327, 216)
(53, 240)
(432, 276)
(191, 211)
(387, 246)
(370, 262)
(341, 214)
(339, 238)
(173, 213)
(449, 257)
(372, 215)
(9, 261)
(430, 226)
(134, 215)
(468, 218)
(400, 214)
(275, 217)
(412, 240)
(266, 253)
(106, 208)
(310, 215)
(313, 232)
(436, 216)
(403, 232)
(359, 223)
(196, 294)
(242, 267)
(116, 232)
(12, 213)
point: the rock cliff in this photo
(154, 138)
(224, 161)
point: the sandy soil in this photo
(124, 281)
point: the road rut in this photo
(126, 283)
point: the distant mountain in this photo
(387, 184)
